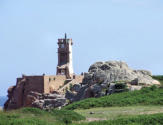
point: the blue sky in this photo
(126, 30)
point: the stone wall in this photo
(33, 83)
(52, 83)
(76, 80)
(19, 95)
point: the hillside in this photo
(140, 107)
(145, 96)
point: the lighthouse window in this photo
(62, 45)
(62, 72)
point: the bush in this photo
(120, 87)
(65, 82)
(70, 86)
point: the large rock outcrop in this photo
(39, 100)
(112, 71)
(46, 101)
(102, 78)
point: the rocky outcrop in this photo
(104, 78)
(46, 101)
(112, 71)
(40, 100)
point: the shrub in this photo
(65, 82)
(120, 87)
(70, 86)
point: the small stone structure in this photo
(45, 84)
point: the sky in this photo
(102, 30)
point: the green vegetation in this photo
(145, 96)
(34, 116)
(120, 87)
(67, 116)
(66, 81)
(159, 78)
(70, 86)
(154, 119)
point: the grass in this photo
(145, 96)
(34, 116)
(126, 116)
(110, 113)
(153, 119)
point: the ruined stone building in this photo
(46, 83)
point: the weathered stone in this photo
(70, 96)
(47, 101)
(117, 71)
(39, 100)
(76, 87)
(111, 88)
(132, 88)
(20, 95)
(102, 77)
